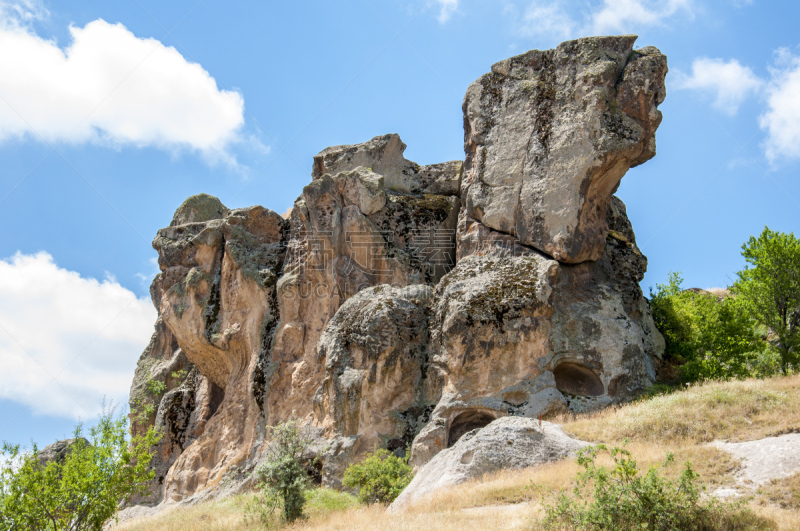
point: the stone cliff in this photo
(405, 305)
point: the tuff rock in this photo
(402, 305)
(58, 451)
(549, 135)
(509, 443)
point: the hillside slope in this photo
(684, 422)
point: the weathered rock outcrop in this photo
(509, 443)
(550, 134)
(401, 304)
(58, 451)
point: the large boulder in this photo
(217, 305)
(516, 332)
(549, 134)
(509, 443)
(377, 388)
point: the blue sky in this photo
(112, 113)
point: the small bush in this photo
(621, 499)
(283, 477)
(380, 478)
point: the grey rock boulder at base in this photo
(508, 443)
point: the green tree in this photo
(380, 477)
(710, 338)
(83, 490)
(284, 475)
(769, 286)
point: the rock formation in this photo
(58, 451)
(402, 304)
(509, 443)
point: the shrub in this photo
(381, 477)
(283, 477)
(83, 490)
(622, 499)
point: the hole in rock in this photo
(466, 422)
(314, 470)
(575, 379)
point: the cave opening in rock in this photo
(575, 379)
(466, 422)
(313, 468)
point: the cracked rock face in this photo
(404, 305)
(549, 134)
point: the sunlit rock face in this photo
(549, 135)
(400, 305)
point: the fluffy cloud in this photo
(728, 82)
(782, 118)
(616, 16)
(88, 334)
(108, 86)
(547, 19)
(553, 19)
(447, 8)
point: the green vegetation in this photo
(283, 478)
(769, 288)
(380, 478)
(620, 498)
(156, 387)
(83, 490)
(709, 337)
(322, 502)
(753, 332)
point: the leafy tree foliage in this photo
(620, 498)
(284, 475)
(709, 337)
(381, 477)
(83, 490)
(769, 287)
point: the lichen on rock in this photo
(397, 305)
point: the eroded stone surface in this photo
(507, 443)
(377, 387)
(549, 134)
(396, 303)
(384, 155)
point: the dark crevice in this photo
(263, 370)
(213, 306)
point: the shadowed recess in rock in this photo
(577, 380)
(466, 422)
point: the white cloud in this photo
(448, 7)
(782, 118)
(56, 315)
(618, 16)
(541, 18)
(552, 19)
(728, 82)
(135, 91)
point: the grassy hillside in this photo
(682, 422)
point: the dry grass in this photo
(681, 423)
(785, 493)
(735, 411)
